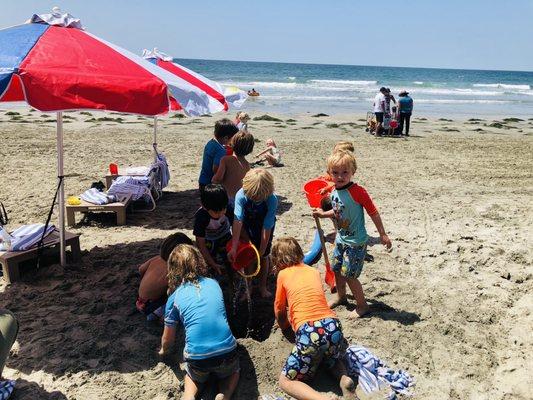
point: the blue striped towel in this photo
(26, 237)
(94, 196)
(125, 186)
(373, 374)
(6, 388)
(162, 164)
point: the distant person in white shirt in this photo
(379, 109)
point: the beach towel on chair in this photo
(125, 186)
(27, 236)
(373, 374)
(164, 171)
(94, 196)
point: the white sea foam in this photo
(461, 101)
(502, 86)
(291, 78)
(418, 82)
(343, 82)
(279, 85)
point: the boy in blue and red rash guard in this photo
(348, 201)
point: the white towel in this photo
(125, 186)
(26, 237)
(373, 374)
(94, 196)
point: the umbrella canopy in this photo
(219, 97)
(54, 65)
(58, 68)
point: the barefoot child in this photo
(210, 348)
(348, 200)
(153, 286)
(314, 326)
(255, 217)
(214, 150)
(233, 168)
(212, 226)
(271, 154)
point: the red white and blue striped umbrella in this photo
(52, 64)
(219, 97)
(58, 68)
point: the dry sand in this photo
(452, 303)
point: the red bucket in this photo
(246, 255)
(311, 189)
(394, 124)
(113, 169)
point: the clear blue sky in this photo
(474, 34)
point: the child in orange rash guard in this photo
(314, 326)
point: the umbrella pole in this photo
(155, 139)
(61, 202)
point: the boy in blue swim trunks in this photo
(348, 200)
(303, 314)
(255, 218)
(214, 150)
(210, 347)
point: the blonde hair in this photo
(185, 264)
(258, 184)
(344, 145)
(286, 252)
(243, 116)
(342, 158)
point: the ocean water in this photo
(300, 88)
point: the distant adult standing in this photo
(379, 109)
(405, 106)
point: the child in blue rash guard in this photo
(214, 150)
(210, 347)
(255, 218)
(349, 201)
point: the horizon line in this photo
(352, 65)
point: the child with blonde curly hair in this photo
(348, 201)
(210, 347)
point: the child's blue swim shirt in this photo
(200, 308)
(213, 153)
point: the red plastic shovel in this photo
(330, 275)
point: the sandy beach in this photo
(452, 303)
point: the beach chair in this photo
(118, 207)
(155, 177)
(11, 260)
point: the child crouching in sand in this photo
(348, 200)
(152, 293)
(315, 327)
(255, 218)
(210, 347)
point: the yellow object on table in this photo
(74, 201)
